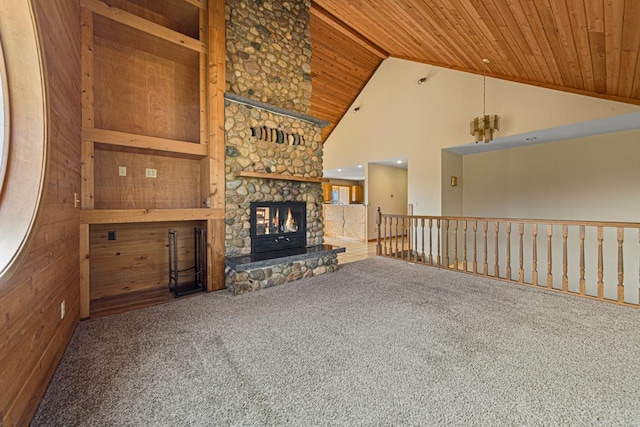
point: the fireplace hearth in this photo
(276, 226)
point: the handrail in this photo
(583, 258)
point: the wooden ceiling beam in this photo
(341, 27)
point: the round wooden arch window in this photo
(23, 146)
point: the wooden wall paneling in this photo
(509, 38)
(177, 15)
(165, 106)
(133, 21)
(202, 62)
(88, 96)
(122, 141)
(32, 334)
(613, 21)
(85, 271)
(87, 168)
(216, 88)
(137, 260)
(205, 164)
(595, 29)
(340, 67)
(120, 216)
(215, 274)
(176, 186)
(589, 47)
(630, 55)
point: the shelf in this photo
(121, 216)
(248, 174)
(123, 141)
(129, 19)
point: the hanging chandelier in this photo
(483, 128)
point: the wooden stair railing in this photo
(587, 257)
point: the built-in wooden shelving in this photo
(121, 216)
(149, 98)
(123, 141)
(264, 175)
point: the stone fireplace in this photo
(273, 152)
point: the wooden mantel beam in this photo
(344, 29)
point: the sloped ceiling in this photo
(590, 47)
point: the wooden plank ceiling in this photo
(589, 47)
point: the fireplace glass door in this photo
(277, 225)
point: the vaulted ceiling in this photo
(590, 47)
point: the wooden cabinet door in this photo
(326, 192)
(357, 194)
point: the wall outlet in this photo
(151, 173)
(62, 309)
(122, 171)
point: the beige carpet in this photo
(380, 342)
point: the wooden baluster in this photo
(397, 223)
(438, 227)
(430, 241)
(404, 231)
(485, 266)
(464, 249)
(565, 268)
(496, 266)
(422, 252)
(387, 249)
(534, 274)
(509, 251)
(521, 264)
(582, 280)
(455, 245)
(415, 240)
(549, 256)
(620, 265)
(445, 243)
(379, 224)
(600, 263)
(384, 241)
(475, 247)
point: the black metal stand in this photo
(192, 279)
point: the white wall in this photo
(398, 117)
(594, 178)
(452, 200)
(387, 189)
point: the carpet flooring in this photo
(380, 342)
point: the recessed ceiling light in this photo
(531, 138)
(399, 161)
(339, 170)
(359, 166)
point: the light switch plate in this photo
(151, 173)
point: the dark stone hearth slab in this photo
(250, 262)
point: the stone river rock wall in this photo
(239, 282)
(245, 152)
(269, 52)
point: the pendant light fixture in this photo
(483, 127)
